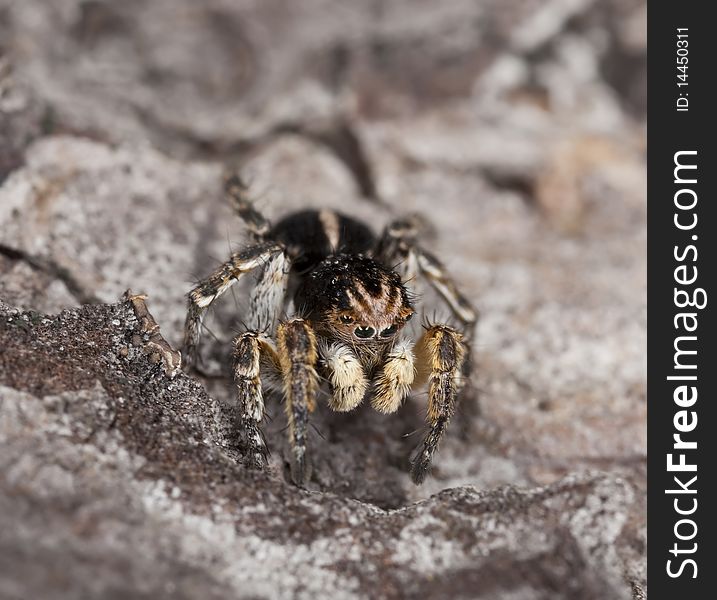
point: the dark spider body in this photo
(336, 286)
(310, 236)
(352, 292)
(354, 298)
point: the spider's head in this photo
(356, 299)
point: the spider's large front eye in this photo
(389, 331)
(364, 332)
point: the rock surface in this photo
(515, 128)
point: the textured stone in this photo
(117, 481)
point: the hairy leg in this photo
(436, 274)
(238, 194)
(433, 270)
(345, 375)
(297, 354)
(251, 348)
(441, 352)
(393, 248)
(393, 382)
(268, 295)
(211, 288)
(398, 247)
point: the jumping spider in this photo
(352, 292)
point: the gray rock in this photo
(118, 482)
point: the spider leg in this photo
(466, 314)
(211, 288)
(268, 295)
(345, 375)
(394, 246)
(437, 276)
(237, 192)
(297, 352)
(251, 349)
(393, 382)
(397, 246)
(441, 352)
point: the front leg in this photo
(441, 352)
(438, 277)
(251, 349)
(297, 356)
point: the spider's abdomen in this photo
(311, 235)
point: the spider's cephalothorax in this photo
(353, 303)
(353, 299)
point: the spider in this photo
(352, 292)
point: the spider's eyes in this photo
(346, 319)
(389, 331)
(409, 317)
(364, 332)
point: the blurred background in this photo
(515, 127)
